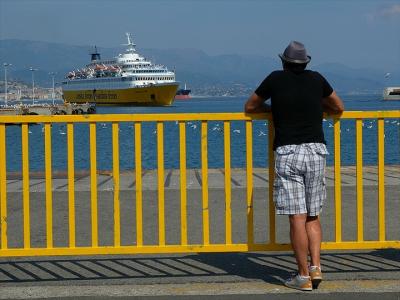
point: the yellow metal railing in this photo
(163, 247)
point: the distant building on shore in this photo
(18, 90)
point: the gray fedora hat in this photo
(295, 53)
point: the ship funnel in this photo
(95, 55)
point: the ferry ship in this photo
(128, 79)
(183, 94)
(391, 93)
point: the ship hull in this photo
(182, 97)
(391, 98)
(153, 95)
(182, 94)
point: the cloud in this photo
(392, 11)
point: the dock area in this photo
(248, 275)
(216, 179)
(48, 109)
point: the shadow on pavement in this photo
(209, 267)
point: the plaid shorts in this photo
(299, 186)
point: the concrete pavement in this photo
(352, 274)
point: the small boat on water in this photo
(128, 79)
(391, 93)
(183, 94)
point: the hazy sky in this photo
(356, 33)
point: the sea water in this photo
(193, 138)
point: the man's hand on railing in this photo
(332, 104)
(256, 104)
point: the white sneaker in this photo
(299, 283)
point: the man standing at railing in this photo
(298, 99)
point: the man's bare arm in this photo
(332, 104)
(256, 104)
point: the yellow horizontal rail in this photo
(196, 248)
(177, 117)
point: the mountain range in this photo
(192, 66)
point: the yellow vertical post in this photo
(182, 157)
(25, 183)
(93, 184)
(161, 199)
(271, 178)
(138, 174)
(381, 179)
(3, 187)
(204, 177)
(71, 184)
(49, 191)
(228, 196)
(338, 186)
(249, 179)
(359, 171)
(117, 213)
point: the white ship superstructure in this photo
(391, 93)
(128, 78)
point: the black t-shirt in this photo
(296, 102)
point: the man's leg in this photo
(299, 239)
(314, 234)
